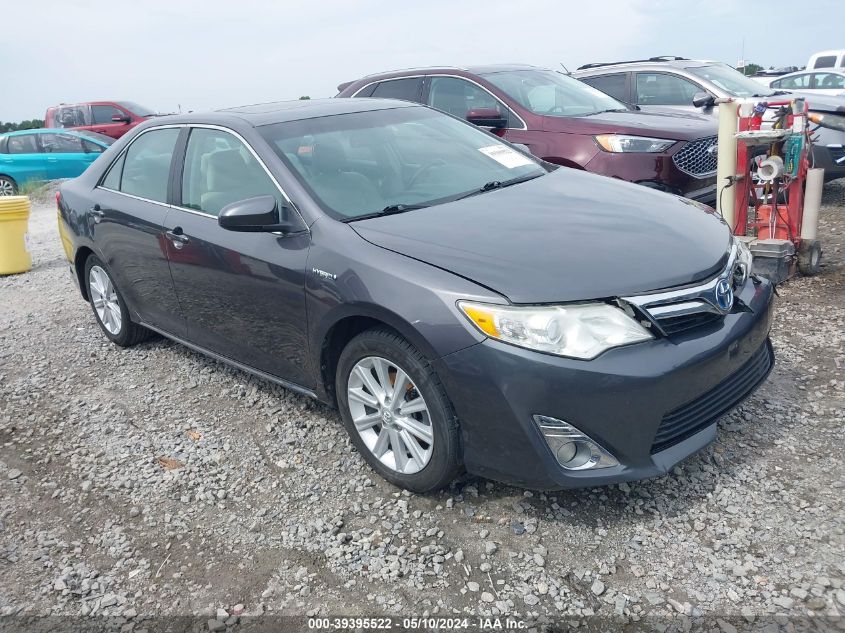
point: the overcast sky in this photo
(204, 54)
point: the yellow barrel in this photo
(14, 220)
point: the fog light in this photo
(567, 452)
(572, 449)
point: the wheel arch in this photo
(346, 326)
(80, 257)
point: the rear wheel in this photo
(8, 187)
(396, 412)
(109, 307)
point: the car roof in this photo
(258, 114)
(437, 70)
(652, 62)
(45, 130)
(808, 71)
(94, 137)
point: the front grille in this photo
(706, 409)
(697, 158)
(837, 155)
(676, 324)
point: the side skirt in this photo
(233, 363)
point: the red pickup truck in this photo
(112, 118)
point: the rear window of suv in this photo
(828, 61)
(615, 85)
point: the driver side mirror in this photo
(487, 117)
(256, 215)
(120, 118)
(703, 100)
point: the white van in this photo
(827, 59)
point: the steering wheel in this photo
(439, 162)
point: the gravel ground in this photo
(154, 481)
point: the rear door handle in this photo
(96, 213)
(177, 236)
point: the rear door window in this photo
(615, 85)
(112, 179)
(664, 89)
(146, 168)
(408, 89)
(61, 144)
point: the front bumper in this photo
(619, 399)
(657, 171)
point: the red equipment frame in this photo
(789, 216)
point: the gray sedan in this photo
(463, 304)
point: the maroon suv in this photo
(565, 121)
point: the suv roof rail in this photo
(659, 58)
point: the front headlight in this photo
(744, 262)
(578, 331)
(623, 143)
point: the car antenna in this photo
(565, 68)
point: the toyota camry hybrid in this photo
(463, 304)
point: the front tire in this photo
(396, 412)
(109, 307)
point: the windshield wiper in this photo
(498, 184)
(391, 209)
(608, 110)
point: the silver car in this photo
(827, 81)
(691, 85)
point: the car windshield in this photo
(551, 93)
(136, 109)
(731, 81)
(384, 161)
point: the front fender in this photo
(354, 278)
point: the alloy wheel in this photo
(104, 298)
(390, 415)
(6, 187)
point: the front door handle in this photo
(178, 237)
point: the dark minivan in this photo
(565, 122)
(464, 305)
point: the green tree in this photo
(751, 69)
(29, 124)
(305, 98)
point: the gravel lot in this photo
(155, 481)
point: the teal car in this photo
(47, 154)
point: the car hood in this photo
(566, 236)
(821, 102)
(678, 126)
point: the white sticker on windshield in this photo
(504, 155)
